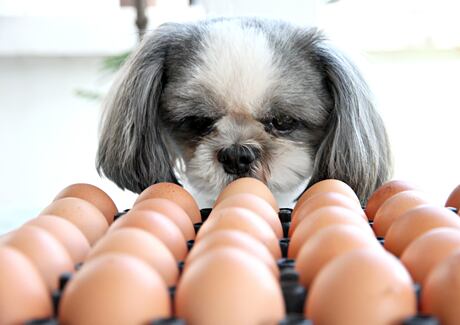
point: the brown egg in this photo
(82, 214)
(66, 233)
(416, 222)
(394, 207)
(441, 291)
(139, 243)
(23, 294)
(454, 199)
(171, 210)
(4, 237)
(175, 193)
(383, 193)
(320, 200)
(326, 245)
(246, 221)
(93, 195)
(363, 286)
(114, 289)
(327, 185)
(248, 185)
(229, 286)
(255, 204)
(428, 250)
(159, 226)
(235, 239)
(45, 252)
(322, 218)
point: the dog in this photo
(216, 100)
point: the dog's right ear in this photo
(132, 149)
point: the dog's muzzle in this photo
(237, 159)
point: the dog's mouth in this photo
(255, 172)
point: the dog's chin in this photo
(207, 186)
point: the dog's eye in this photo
(284, 123)
(198, 124)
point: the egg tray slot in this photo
(294, 293)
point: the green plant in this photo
(110, 65)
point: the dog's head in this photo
(227, 98)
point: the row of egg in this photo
(328, 244)
(72, 229)
(348, 275)
(426, 238)
(33, 256)
(230, 275)
(126, 275)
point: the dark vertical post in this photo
(141, 19)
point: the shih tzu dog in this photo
(213, 101)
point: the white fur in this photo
(237, 65)
(289, 164)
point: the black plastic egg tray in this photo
(294, 293)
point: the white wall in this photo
(417, 95)
(48, 136)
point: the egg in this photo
(114, 289)
(46, 253)
(93, 195)
(383, 193)
(363, 286)
(255, 204)
(326, 245)
(229, 286)
(320, 200)
(246, 221)
(428, 250)
(23, 295)
(416, 222)
(454, 199)
(141, 244)
(4, 237)
(235, 239)
(326, 186)
(441, 291)
(157, 225)
(248, 185)
(394, 207)
(66, 233)
(91, 222)
(175, 193)
(321, 218)
(171, 210)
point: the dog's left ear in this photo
(132, 148)
(355, 148)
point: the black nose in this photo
(237, 159)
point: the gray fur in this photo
(146, 130)
(355, 148)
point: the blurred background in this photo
(58, 58)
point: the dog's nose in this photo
(236, 159)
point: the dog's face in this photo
(232, 98)
(245, 106)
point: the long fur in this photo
(237, 74)
(132, 149)
(355, 148)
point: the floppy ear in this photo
(132, 149)
(355, 148)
